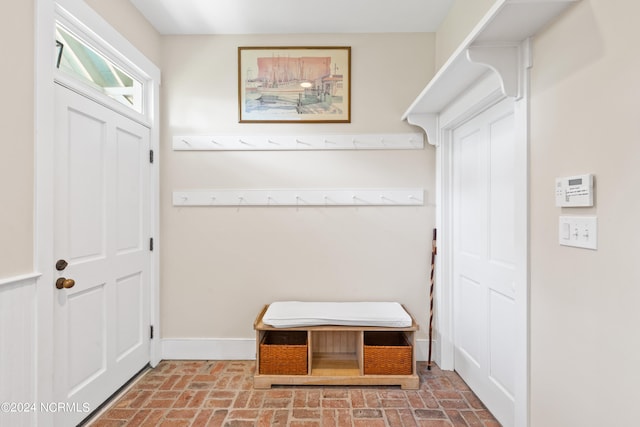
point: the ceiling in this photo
(293, 16)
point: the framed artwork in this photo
(294, 84)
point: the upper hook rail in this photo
(397, 141)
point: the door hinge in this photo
(151, 244)
(150, 156)
(150, 331)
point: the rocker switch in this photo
(578, 231)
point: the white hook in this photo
(272, 142)
(357, 199)
(216, 142)
(186, 142)
(302, 142)
(300, 201)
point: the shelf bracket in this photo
(428, 122)
(504, 61)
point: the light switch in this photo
(578, 231)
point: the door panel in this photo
(130, 206)
(470, 226)
(101, 205)
(501, 207)
(129, 293)
(484, 257)
(469, 338)
(87, 350)
(501, 367)
(82, 154)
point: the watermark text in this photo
(46, 407)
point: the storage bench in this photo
(335, 355)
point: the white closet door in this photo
(484, 257)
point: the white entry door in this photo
(101, 233)
(484, 253)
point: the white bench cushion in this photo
(292, 314)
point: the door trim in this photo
(45, 14)
(484, 94)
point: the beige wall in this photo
(462, 18)
(16, 122)
(221, 265)
(584, 304)
(129, 22)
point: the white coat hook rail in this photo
(301, 197)
(375, 141)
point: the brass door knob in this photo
(65, 283)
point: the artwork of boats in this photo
(304, 83)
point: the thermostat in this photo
(574, 191)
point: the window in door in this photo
(79, 60)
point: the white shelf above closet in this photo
(301, 197)
(494, 44)
(395, 141)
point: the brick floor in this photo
(220, 393)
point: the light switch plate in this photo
(578, 231)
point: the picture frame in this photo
(290, 84)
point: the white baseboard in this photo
(208, 349)
(232, 349)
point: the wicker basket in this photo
(283, 353)
(387, 353)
